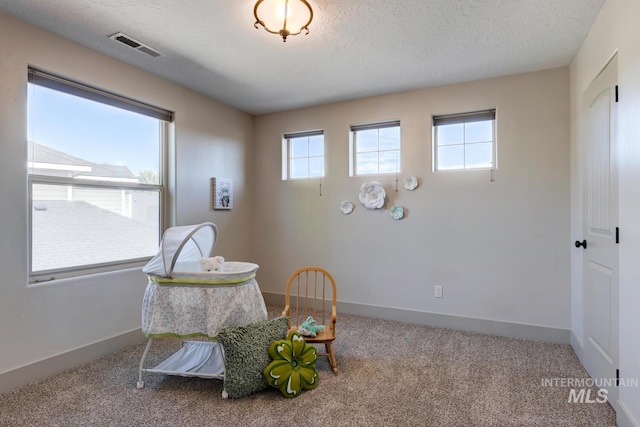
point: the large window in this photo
(303, 155)
(375, 149)
(464, 141)
(96, 178)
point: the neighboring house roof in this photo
(73, 233)
(41, 155)
(112, 171)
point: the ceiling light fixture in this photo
(291, 16)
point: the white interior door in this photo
(600, 260)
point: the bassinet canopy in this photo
(182, 243)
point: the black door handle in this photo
(583, 244)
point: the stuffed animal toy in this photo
(309, 328)
(212, 264)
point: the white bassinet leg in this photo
(144, 356)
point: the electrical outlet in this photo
(438, 291)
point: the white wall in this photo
(500, 249)
(211, 139)
(616, 28)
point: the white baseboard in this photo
(32, 372)
(577, 346)
(492, 327)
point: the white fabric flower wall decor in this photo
(372, 195)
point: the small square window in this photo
(303, 155)
(464, 141)
(375, 149)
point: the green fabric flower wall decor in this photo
(293, 367)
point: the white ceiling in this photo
(355, 49)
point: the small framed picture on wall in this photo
(221, 193)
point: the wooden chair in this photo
(311, 291)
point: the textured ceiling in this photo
(355, 49)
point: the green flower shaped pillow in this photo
(293, 367)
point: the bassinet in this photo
(182, 301)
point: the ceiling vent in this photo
(135, 44)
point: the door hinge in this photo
(617, 235)
(616, 93)
(617, 377)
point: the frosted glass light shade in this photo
(283, 17)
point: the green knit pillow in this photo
(246, 354)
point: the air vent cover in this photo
(135, 44)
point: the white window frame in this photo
(353, 154)
(62, 84)
(470, 117)
(287, 153)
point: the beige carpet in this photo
(390, 374)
